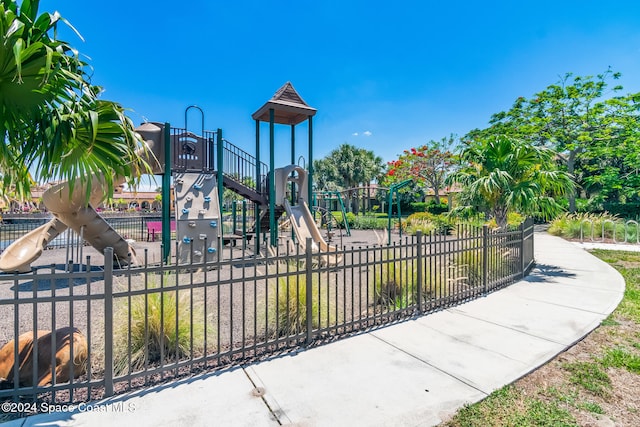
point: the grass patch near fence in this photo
(592, 383)
(510, 406)
(589, 375)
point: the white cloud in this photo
(365, 133)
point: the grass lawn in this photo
(594, 383)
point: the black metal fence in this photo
(130, 227)
(136, 227)
(147, 324)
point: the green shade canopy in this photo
(289, 107)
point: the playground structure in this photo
(201, 167)
(302, 222)
(71, 210)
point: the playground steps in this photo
(246, 192)
(264, 218)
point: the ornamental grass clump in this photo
(592, 226)
(156, 327)
(289, 301)
(428, 223)
(395, 281)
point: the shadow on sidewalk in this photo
(542, 272)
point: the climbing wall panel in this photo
(197, 216)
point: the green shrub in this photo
(430, 206)
(582, 205)
(426, 227)
(351, 219)
(420, 216)
(376, 221)
(337, 215)
(418, 206)
(438, 208)
(623, 210)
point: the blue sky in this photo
(385, 76)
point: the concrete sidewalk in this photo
(415, 373)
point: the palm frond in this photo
(51, 119)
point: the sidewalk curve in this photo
(415, 373)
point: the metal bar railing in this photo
(154, 322)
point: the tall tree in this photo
(324, 175)
(610, 165)
(511, 175)
(428, 164)
(347, 167)
(52, 123)
(567, 116)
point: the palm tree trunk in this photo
(571, 165)
(500, 214)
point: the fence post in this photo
(108, 322)
(522, 260)
(244, 225)
(419, 262)
(533, 242)
(309, 290)
(234, 214)
(485, 258)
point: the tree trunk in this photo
(571, 165)
(436, 195)
(355, 204)
(500, 214)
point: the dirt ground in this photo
(620, 404)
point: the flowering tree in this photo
(428, 165)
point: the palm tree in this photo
(507, 174)
(346, 167)
(324, 173)
(51, 121)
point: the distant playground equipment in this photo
(327, 198)
(363, 195)
(393, 190)
(201, 167)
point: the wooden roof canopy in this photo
(288, 106)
